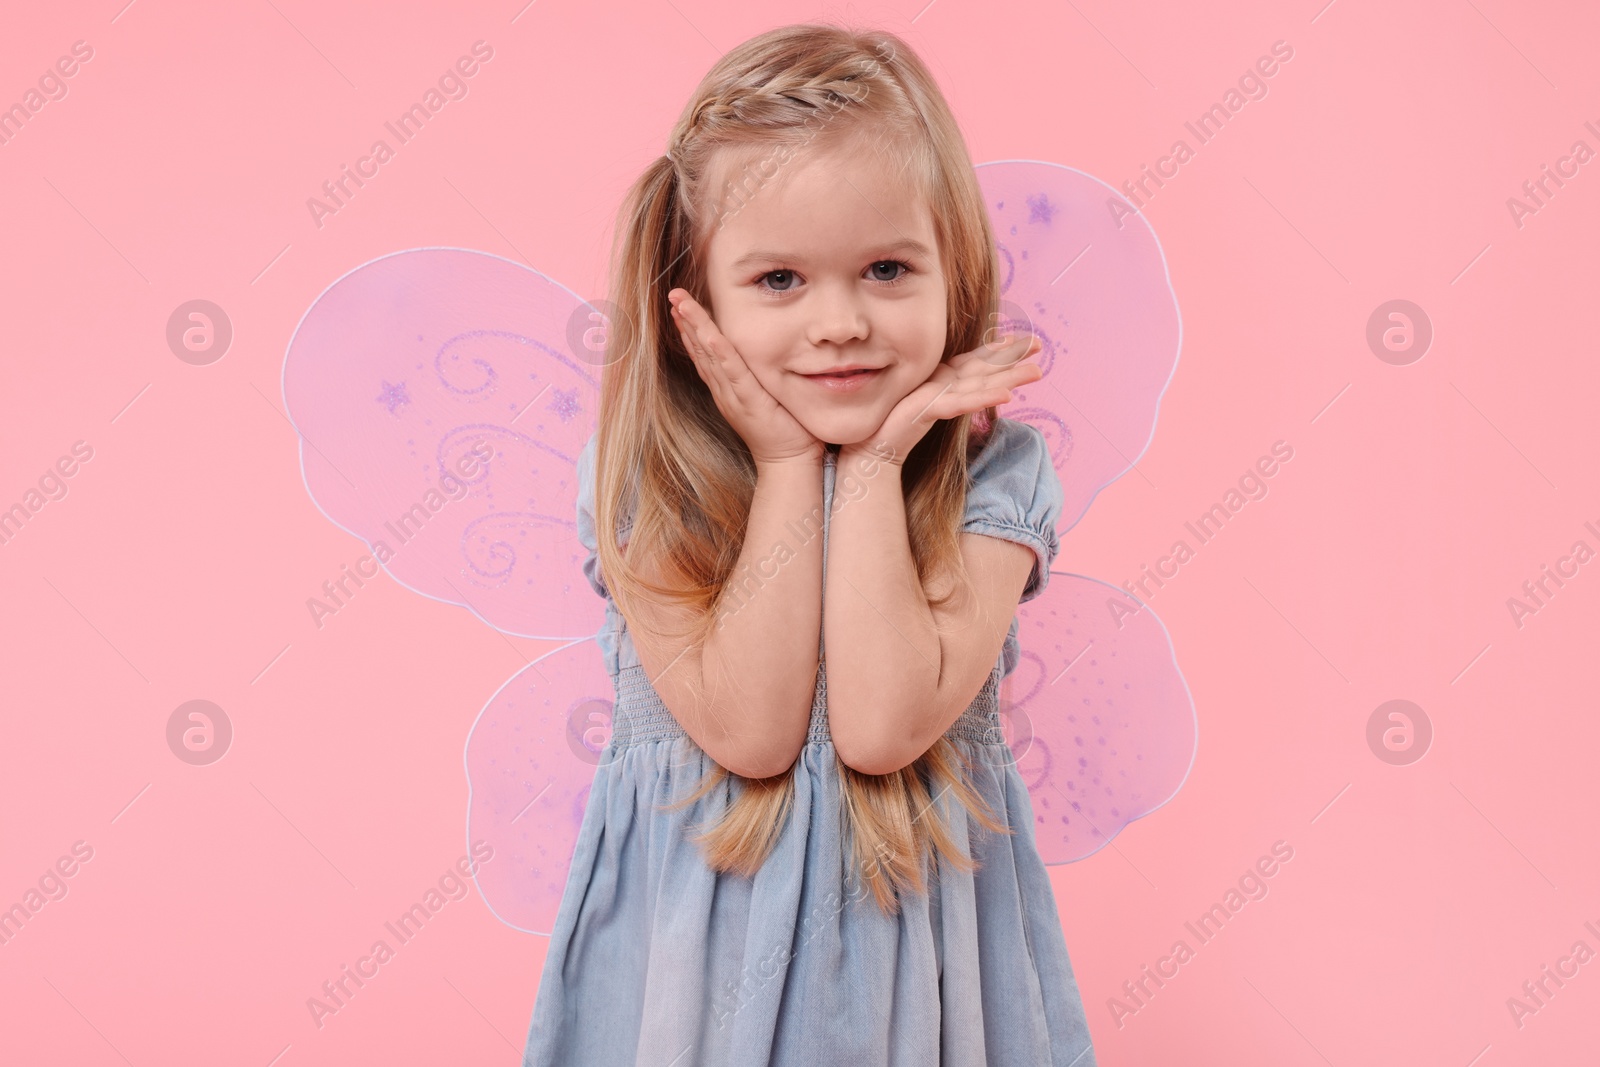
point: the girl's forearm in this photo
(760, 663)
(883, 653)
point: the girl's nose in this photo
(837, 316)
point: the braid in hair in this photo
(785, 97)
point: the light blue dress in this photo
(657, 961)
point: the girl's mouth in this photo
(845, 383)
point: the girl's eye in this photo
(890, 263)
(783, 278)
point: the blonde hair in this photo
(688, 477)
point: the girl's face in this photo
(831, 263)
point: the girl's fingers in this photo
(703, 363)
(991, 388)
(966, 383)
(1009, 352)
(729, 364)
(695, 342)
(700, 325)
(699, 322)
(721, 366)
(690, 345)
(1023, 373)
(977, 374)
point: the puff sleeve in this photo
(1014, 493)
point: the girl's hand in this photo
(768, 429)
(959, 386)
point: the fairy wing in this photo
(442, 398)
(407, 372)
(1098, 715)
(531, 757)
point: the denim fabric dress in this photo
(655, 960)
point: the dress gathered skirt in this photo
(656, 960)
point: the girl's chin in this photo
(836, 436)
(844, 424)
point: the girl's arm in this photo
(745, 696)
(895, 683)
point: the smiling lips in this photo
(845, 379)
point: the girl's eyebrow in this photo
(881, 251)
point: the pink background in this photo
(1419, 499)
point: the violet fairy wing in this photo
(441, 411)
(531, 758)
(1098, 715)
(442, 398)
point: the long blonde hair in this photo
(664, 452)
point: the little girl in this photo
(807, 842)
